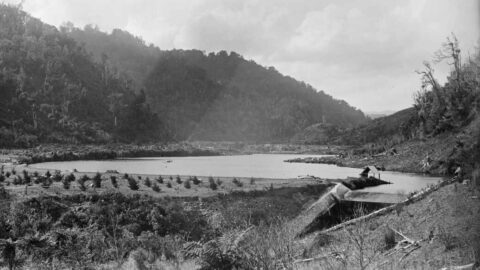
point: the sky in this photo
(365, 52)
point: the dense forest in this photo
(83, 85)
(53, 91)
(215, 96)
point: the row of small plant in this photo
(47, 179)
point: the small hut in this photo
(370, 171)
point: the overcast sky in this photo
(364, 52)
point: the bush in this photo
(26, 177)
(35, 173)
(125, 176)
(2, 178)
(57, 177)
(70, 177)
(81, 182)
(186, 184)
(195, 180)
(178, 179)
(132, 184)
(7, 174)
(169, 185)
(147, 182)
(66, 183)
(213, 186)
(113, 179)
(219, 182)
(160, 179)
(155, 187)
(237, 182)
(252, 181)
(46, 182)
(17, 180)
(97, 180)
(14, 172)
(389, 238)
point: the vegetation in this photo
(70, 97)
(148, 182)
(132, 184)
(97, 180)
(113, 179)
(187, 184)
(237, 182)
(106, 228)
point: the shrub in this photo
(97, 180)
(26, 177)
(389, 238)
(125, 176)
(160, 179)
(132, 184)
(46, 182)
(237, 182)
(195, 180)
(35, 173)
(113, 179)
(57, 177)
(171, 178)
(147, 182)
(84, 178)
(139, 177)
(66, 183)
(178, 179)
(2, 178)
(219, 182)
(169, 185)
(7, 174)
(252, 181)
(48, 174)
(70, 177)
(17, 180)
(4, 193)
(81, 182)
(213, 186)
(155, 187)
(14, 172)
(186, 184)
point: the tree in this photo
(132, 184)
(97, 180)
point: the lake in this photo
(258, 165)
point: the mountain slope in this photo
(52, 91)
(218, 96)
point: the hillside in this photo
(216, 96)
(439, 134)
(53, 91)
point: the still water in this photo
(259, 166)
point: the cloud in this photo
(364, 51)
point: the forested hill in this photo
(215, 96)
(83, 85)
(52, 90)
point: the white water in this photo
(260, 166)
